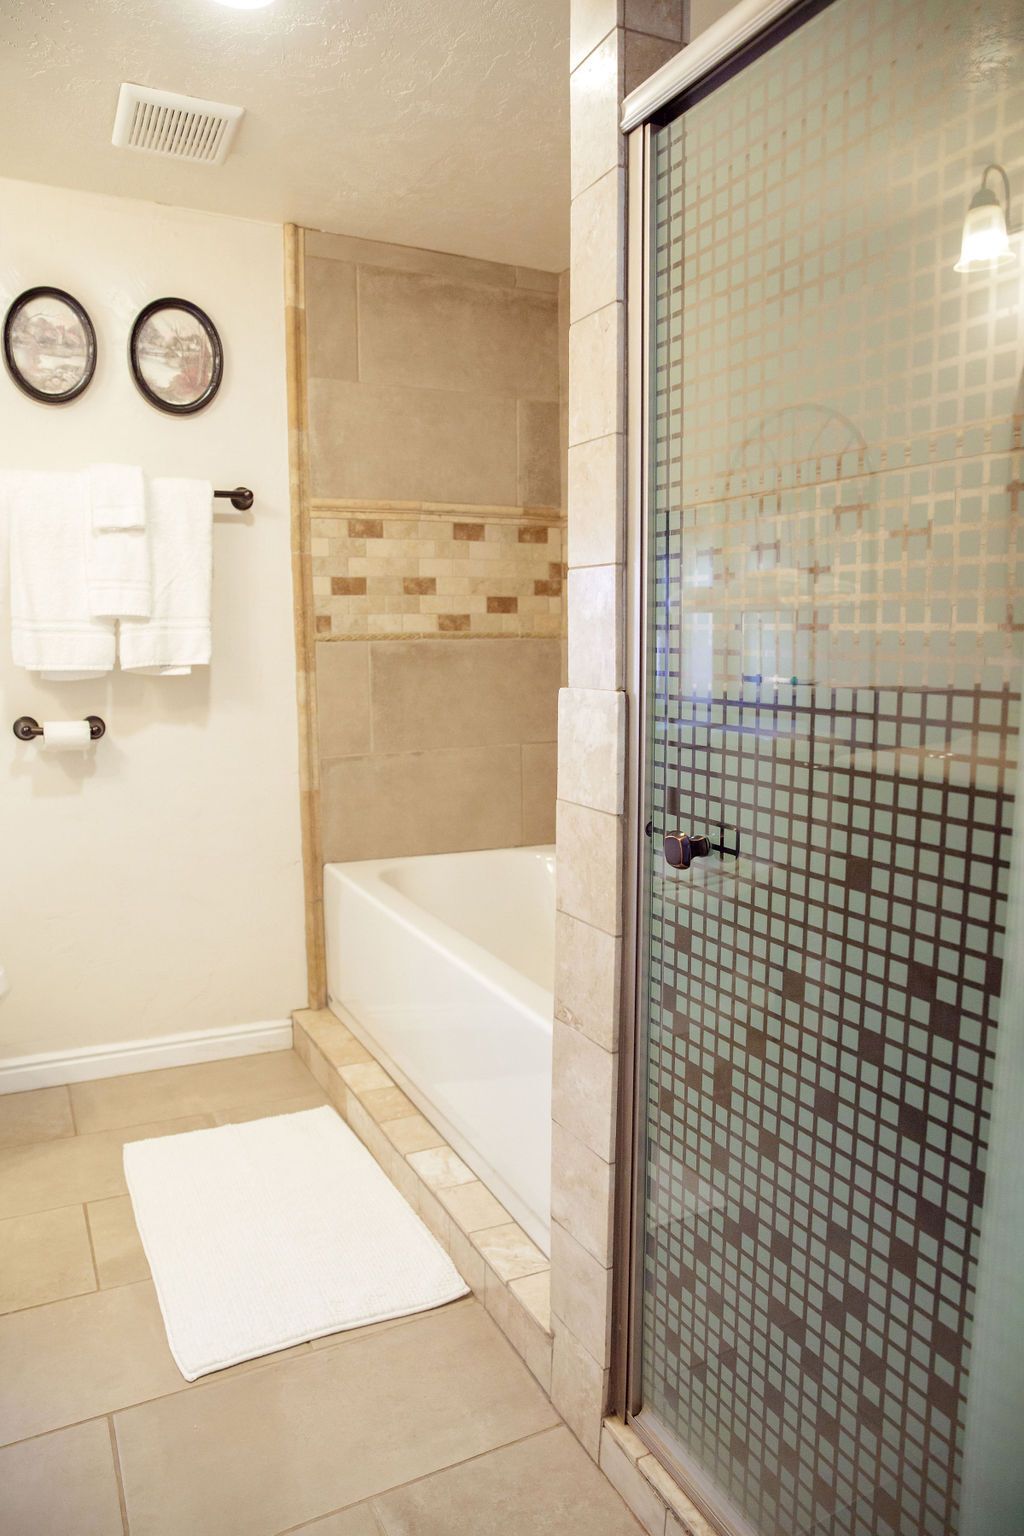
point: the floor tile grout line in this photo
(119, 1476)
(465, 1461)
(92, 1244)
(71, 1109)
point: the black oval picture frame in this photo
(39, 346)
(192, 359)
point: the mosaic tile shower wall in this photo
(834, 566)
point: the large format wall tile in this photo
(431, 693)
(445, 801)
(391, 442)
(433, 333)
(333, 327)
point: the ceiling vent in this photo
(181, 127)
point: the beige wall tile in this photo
(596, 364)
(539, 774)
(596, 525)
(587, 980)
(440, 1168)
(540, 467)
(531, 1342)
(236, 1435)
(579, 1389)
(644, 55)
(474, 1207)
(624, 1476)
(592, 748)
(594, 92)
(83, 1357)
(421, 802)
(581, 1193)
(120, 1257)
(534, 1291)
(589, 866)
(45, 1256)
(581, 1294)
(541, 1487)
(583, 1090)
(532, 277)
(432, 693)
(590, 21)
(413, 1133)
(378, 253)
(331, 325)
(338, 1044)
(704, 12)
(432, 333)
(509, 1251)
(598, 255)
(61, 1484)
(343, 697)
(662, 18)
(596, 627)
(41, 1114)
(390, 442)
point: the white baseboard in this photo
(52, 1068)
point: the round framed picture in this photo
(49, 345)
(176, 357)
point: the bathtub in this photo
(444, 966)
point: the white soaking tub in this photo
(444, 964)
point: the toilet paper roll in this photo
(66, 735)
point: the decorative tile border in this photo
(503, 1268)
(405, 571)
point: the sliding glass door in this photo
(830, 1259)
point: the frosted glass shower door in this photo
(832, 691)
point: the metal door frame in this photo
(745, 33)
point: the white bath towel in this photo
(117, 493)
(52, 628)
(179, 529)
(117, 572)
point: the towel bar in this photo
(26, 729)
(241, 498)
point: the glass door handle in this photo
(680, 849)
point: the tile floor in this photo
(428, 1426)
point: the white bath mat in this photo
(269, 1233)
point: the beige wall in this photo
(436, 544)
(154, 887)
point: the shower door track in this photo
(748, 31)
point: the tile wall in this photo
(435, 465)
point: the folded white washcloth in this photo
(179, 530)
(52, 627)
(117, 493)
(118, 574)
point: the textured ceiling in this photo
(441, 123)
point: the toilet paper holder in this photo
(26, 729)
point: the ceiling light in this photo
(986, 240)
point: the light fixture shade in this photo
(986, 244)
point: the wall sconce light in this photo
(986, 240)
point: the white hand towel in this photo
(179, 529)
(118, 574)
(118, 496)
(52, 628)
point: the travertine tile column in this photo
(615, 44)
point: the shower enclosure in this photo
(822, 1328)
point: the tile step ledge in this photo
(506, 1272)
(660, 1506)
